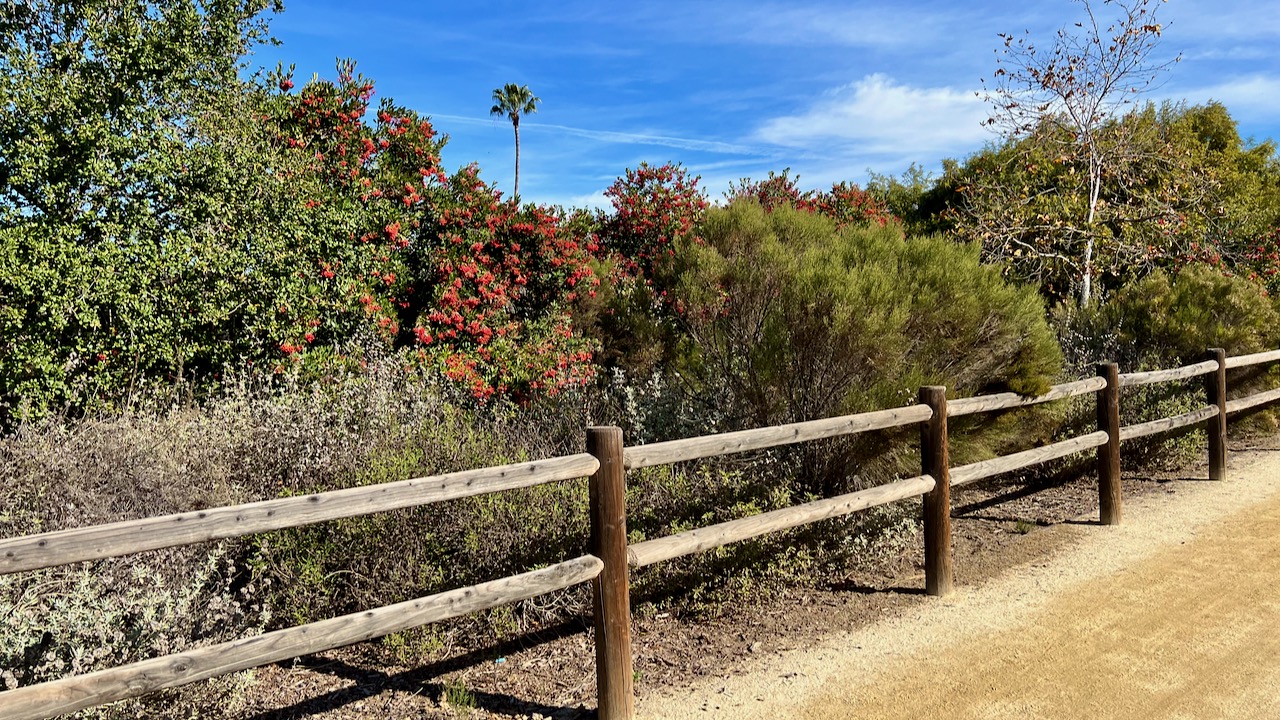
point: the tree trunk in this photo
(1095, 188)
(515, 191)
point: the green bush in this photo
(1165, 321)
(792, 320)
(1175, 319)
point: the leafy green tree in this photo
(513, 101)
(1188, 189)
(912, 198)
(126, 140)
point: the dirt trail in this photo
(1172, 615)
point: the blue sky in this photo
(733, 89)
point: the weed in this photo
(457, 695)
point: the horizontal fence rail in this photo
(1254, 359)
(1004, 401)
(673, 451)
(1157, 376)
(714, 536)
(1253, 401)
(1129, 432)
(974, 472)
(610, 557)
(32, 552)
(127, 681)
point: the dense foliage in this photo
(804, 320)
(1166, 320)
(794, 318)
(164, 221)
(1188, 189)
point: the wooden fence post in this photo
(1110, 495)
(1216, 388)
(611, 596)
(935, 460)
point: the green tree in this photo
(127, 240)
(513, 101)
(1188, 189)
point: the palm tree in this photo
(513, 101)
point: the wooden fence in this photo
(610, 557)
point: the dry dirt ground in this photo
(1171, 615)
(1165, 616)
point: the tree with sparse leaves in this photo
(513, 101)
(1066, 97)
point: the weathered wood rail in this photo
(609, 559)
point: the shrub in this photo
(845, 203)
(1165, 321)
(1176, 319)
(792, 319)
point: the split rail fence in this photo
(609, 560)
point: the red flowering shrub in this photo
(654, 209)
(494, 288)
(656, 214)
(1261, 261)
(439, 264)
(845, 203)
(349, 277)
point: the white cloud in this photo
(877, 115)
(1248, 97)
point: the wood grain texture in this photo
(611, 590)
(1002, 401)
(966, 474)
(97, 688)
(714, 536)
(1215, 388)
(31, 552)
(1129, 432)
(1254, 359)
(639, 456)
(1179, 373)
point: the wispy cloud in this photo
(622, 138)
(878, 115)
(609, 136)
(856, 26)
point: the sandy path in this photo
(1175, 614)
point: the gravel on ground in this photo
(1169, 615)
